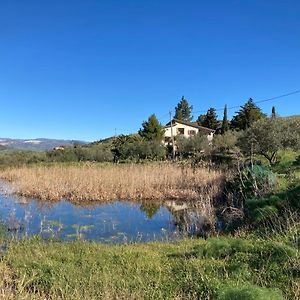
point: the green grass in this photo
(219, 268)
(272, 207)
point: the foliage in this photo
(18, 157)
(209, 120)
(272, 207)
(183, 110)
(152, 129)
(225, 124)
(226, 142)
(120, 146)
(255, 181)
(247, 116)
(187, 147)
(201, 119)
(140, 149)
(268, 136)
(96, 153)
(274, 114)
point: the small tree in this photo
(191, 146)
(183, 110)
(247, 116)
(226, 142)
(274, 114)
(225, 125)
(268, 136)
(152, 129)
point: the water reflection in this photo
(116, 222)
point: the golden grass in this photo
(109, 182)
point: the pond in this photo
(113, 222)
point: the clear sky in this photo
(79, 69)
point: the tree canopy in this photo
(183, 110)
(225, 124)
(247, 116)
(209, 120)
(201, 119)
(268, 136)
(152, 129)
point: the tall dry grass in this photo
(109, 182)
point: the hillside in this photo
(39, 144)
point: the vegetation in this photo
(183, 111)
(274, 114)
(192, 146)
(209, 120)
(227, 142)
(152, 129)
(247, 116)
(133, 148)
(268, 136)
(225, 124)
(88, 182)
(219, 268)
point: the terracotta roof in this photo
(192, 124)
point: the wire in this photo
(164, 116)
(256, 102)
(238, 106)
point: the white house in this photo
(186, 129)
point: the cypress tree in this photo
(225, 125)
(274, 115)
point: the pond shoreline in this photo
(115, 221)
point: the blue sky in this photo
(81, 69)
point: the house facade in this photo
(186, 129)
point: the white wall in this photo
(175, 130)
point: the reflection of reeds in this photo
(109, 182)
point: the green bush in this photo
(188, 147)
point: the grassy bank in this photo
(109, 182)
(219, 268)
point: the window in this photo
(180, 131)
(191, 132)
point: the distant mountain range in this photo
(40, 144)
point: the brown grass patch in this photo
(109, 182)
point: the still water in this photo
(113, 222)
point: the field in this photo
(96, 182)
(248, 268)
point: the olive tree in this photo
(191, 146)
(227, 142)
(268, 136)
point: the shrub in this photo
(226, 142)
(187, 147)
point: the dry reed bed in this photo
(110, 182)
